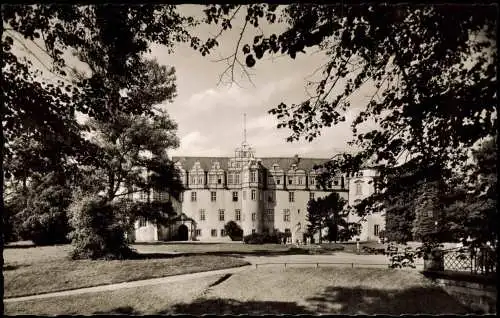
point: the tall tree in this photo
(327, 212)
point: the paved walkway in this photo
(145, 282)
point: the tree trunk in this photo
(320, 231)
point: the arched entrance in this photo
(183, 233)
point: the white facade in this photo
(361, 185)
(259, 194)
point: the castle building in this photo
(260, 194)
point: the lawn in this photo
(220, 248)
(266, 291)
(36, 270)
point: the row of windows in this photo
(234, 178)
(213, 232)
(253, 196)
(268, 215)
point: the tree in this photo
(327, 212)
(432, 93)
(233, 230)
(133, 149)
(471, 209)
(111, 41)
(43, 218)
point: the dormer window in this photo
(290, 180)
(219, 181)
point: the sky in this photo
(210, 114)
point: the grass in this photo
(36, 270)
(228, 248)
(266, 291)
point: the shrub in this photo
(234, 231)
(265, 238)
(99, 229)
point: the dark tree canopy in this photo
(431, 70)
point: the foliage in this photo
(399, 259)
(110, 40)
(471, 209)
(329, 212)
(430, 91)
(99, 229)
(43, 219)
(234, 231)
(275, 237)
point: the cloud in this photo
(235, 97)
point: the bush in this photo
(99, 229)
(265, 238)
(234, 231)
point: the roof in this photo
(206, 163)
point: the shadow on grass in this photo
(230, 306)
(357, 300)
(13, 267)
(125, 310)
(238, 254)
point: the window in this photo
(278, 180)
(286, 215)
(254, 194)
(260, 196)
(181, 197)
(291, 197)
(300, 180)
(270, 197)
(213, 196)
(213, 232)
(193, 180)
(376, 229)
(198, 232)
(254, 216)
(270, 215)
(193, 196)
(202, 215)
(221, 215)
(311, 195)
(219, 180)
(358, 189)
(235, 196)
(253, 176)
(237, 215)
(230, 178)
(253, 231)
(142, 222)
(298, 211)
(312, 180)
(222, 232)
(211, 179)
(290, 180)
(430, 214)
(237, 177)
(270, 180)
(200, 180)
(144, 195)
(244, 195)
